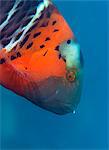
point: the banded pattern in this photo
(14, 24)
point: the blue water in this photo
(26, 126)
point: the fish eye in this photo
(69, 41)
(71, 76)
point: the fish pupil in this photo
(71, 76)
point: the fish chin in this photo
(57, 95)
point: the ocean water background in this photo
(25, 126)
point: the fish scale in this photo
(12, 25)
(39, 57)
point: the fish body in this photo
(40, 58)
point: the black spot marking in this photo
(45, 53)
(13, 57)
(2, 61)
(48, 14)
(15, 13)
(45, 24)
(26, 22)
(10, 33)
(41, 17)
(34, 26)
(24, 41)
(32, 12)
(3, 18)
(47, 39)
(49, 11)
(54, 22)
(18, 36)
(1, 36)
(59, 56)
(5, 42)
(18, 54)
(57, 48)
(36, 20)
(20, 4)
(29, 45)
(69, 41)
(12, 30)
(7, 26)
(55, 30)
(64, 59)
(42, 46)
(36, 34)
(26, 68)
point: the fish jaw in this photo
(57, 95)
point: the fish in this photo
(40, 58)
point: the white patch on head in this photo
(71, 53)
(13, 43)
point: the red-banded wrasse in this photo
(39, 56)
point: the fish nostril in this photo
(69, 41)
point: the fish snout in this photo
(60, 95)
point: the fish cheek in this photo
(46, 63)
(57, 96)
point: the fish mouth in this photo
(57, 95)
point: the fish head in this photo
(61, 94)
